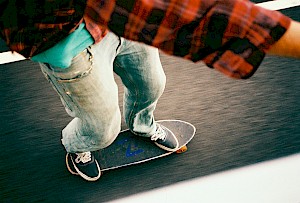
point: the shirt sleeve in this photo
(231, 36)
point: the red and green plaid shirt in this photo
(231, 36)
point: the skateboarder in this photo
(231, 36)
(89, 93)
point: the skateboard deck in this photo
(129, 149)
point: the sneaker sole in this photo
(166, 148)
(70, 169)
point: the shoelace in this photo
(83, 157)
(159, 134)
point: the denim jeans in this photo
(90, 94)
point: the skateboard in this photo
(129, 149)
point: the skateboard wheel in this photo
(182, 149)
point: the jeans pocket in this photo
(68, 82)
(81, 67)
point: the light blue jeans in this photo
(90, 94)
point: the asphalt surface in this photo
(239, 122)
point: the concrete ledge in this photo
(274, 181)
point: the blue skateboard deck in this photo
(129, 149)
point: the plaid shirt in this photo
(231, 36)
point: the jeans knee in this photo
(156, 89)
